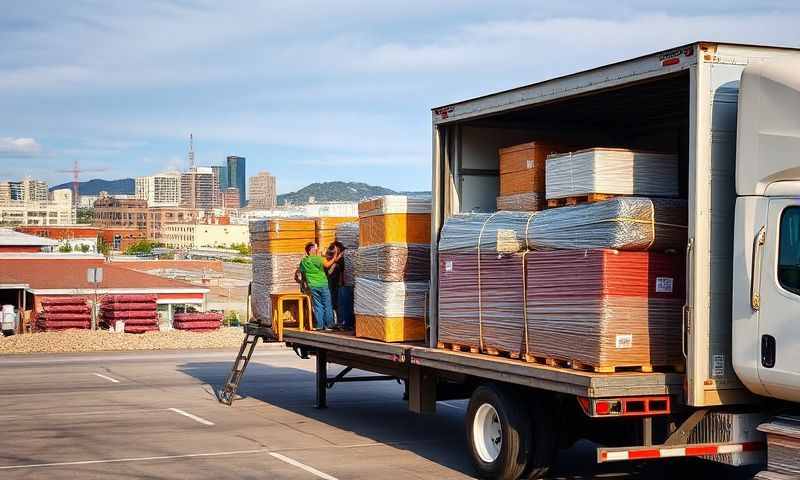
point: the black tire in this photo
(512, 416)
(543, 445)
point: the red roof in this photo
(70, 274)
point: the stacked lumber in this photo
(392, 268)
(611, 171)
(326, 229)
(130, 313)
(614, 309)
(522, 176)
(62, 313)
(783, 445)
(197, 322)
(347, 235)
(277, 245)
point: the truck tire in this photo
(498, 432)
(544, 439)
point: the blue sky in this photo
(310, 91)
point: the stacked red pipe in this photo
(197, 322)
(62, 313)
(138, 312)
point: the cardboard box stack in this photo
(197, 322)
(326, 229)
(394, 234)
(277, 245)
(522, 176)
(130, 313)
(783, 446)
(62, 313)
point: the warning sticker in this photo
(530, 164)
(448, 266)
(718, 365)
(624, 341)
(664, 284)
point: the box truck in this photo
(731, 113)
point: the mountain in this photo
(123, 186)
(337, 192)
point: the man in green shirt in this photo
(313, 268)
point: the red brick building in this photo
(118, 238)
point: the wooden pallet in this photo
(590, 198)
(584, 367)
(502, 353)
(456, 347)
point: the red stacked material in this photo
(197, 322)
(61, 313)
(138, 313)
(483, 312)
(605, 308)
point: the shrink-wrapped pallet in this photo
(272, 273)
(522, 168)
(281, 235)
(521, 202)
(198, 322)
(485, 311)
(393, 262)
(137, 313)
(614, 171)
(605, 309)
(62, 313)
(390, 311)
(783, 445)
(327, 228)
(626, 223)
(394, 219)
(347, 235)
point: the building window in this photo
(117, 242)
(789, 250)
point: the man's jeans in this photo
(323, 308)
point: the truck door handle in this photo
(767, 351)
(755, 274)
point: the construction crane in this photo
(76, 172)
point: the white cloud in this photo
(19, 147)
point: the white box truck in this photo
(731, 113)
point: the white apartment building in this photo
(160, 190)
(193, 236)
(27, 190)
(262, 192)
(58, 211)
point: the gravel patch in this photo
(67, 341)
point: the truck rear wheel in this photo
(544, 436)
(498, 433)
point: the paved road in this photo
(154, 415)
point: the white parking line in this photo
(303, 466)
(132, 459)
(112, 380)
(193, 417)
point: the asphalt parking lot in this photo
(155, 415)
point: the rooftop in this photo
(11, 238)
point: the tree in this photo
(65, 248)
(85, 248)
(242, 248)
(84, 215)
(142, 247)
(103, 247)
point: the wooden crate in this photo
(390, 329)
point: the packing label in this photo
(664, 284)
(507, 241)
(624, 341)
(448, 266)
(530, 164)
(718, 365)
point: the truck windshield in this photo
(789, 250)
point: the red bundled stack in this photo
(62, 313)
(138, 312)
(197, 322)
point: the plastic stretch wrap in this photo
(50, 309)
(66, 316)
(327, 227)
(783, 445)
(347, 234)
(394, 219)
(613, 171)
(486, 310)
(628, 223)
(142, 322)
(390, 299)
(143, 298)
(128, 305)
(47, 301)
(272, 273)
(521, 202)
(282, 235)
(126, 314)
(61, 313)
(393, 204)
(394, 262)
(611, 308)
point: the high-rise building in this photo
(230, 198)
(16, 191)
(200, 189)
(222, 173)
(161, 190)
(237, 176)
(35, 190)
(263, 191)
(58, 211)
(5, 193)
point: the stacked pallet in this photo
(197, 322)
(783, 445)
(347, 235)
(601, 172)
(326, 229)
(130, 313)
(522, 176)
(277, 245)
(62, 313)
(392, 265)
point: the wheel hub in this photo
(487, 434)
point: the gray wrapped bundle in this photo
(390, 299)
(614, 171)
(272, 273)
(521, 202)
(347, 235)
(394, 262)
